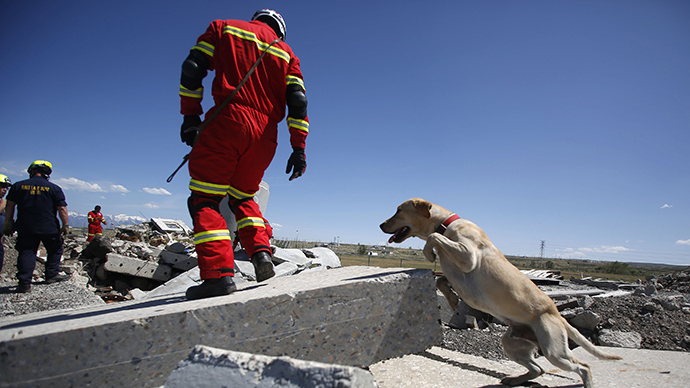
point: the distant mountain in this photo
(81, 220)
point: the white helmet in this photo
(273, 19)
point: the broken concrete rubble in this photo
(133, 263)
(208, 367)
(575, 300)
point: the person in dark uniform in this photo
(38, 201)
(5, 184)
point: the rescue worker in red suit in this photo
(232, 152)
(95, 219)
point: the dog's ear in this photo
(423, 207)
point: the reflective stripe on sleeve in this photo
(199, 93)
(211, 235)
(292, 80)
(301, 125)
(205, 48)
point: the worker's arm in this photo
(8, 228)
(298, 123)
(62, 213)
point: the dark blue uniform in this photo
(2, 247)
(37, 201)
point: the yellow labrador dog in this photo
(488, 282)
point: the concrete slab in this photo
(350, 316)
(180, 261)
(208, 367)
(136, 267)
(442, 368)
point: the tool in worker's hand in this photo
(220, 108)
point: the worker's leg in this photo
(211, 164)
(251, 224)
(27, 245)
(53, 245)
(211, 237)
(91, 232)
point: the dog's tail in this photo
(579, 339)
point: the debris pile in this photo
(650, 315)
(676, 281)
(140, 258)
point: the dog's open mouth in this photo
(399, 235)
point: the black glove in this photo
(189, 129)
(297, 163)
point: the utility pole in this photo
(541, 251)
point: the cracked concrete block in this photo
(353, 316)
(136, 267)
(325, 257)
(208, 367)
(286, 269)
(292, 255)
(181, 261)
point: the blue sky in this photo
(561, 121)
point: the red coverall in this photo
(234, 150)
(95, 229)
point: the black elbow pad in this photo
(296, 102)
(194, 70)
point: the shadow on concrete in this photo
(382, 274)
(466, 366)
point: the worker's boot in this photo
(212, 287)
(24, 288)
(57, 278)
(263, 266)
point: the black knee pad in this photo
(234, 203)
(196, 202)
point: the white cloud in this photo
(118, 189)
(605, 249)
(156, 191)
(667, 206)
(151, 205)
(276, 225)
(683, 242)
(79, 185)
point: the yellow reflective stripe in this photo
(301, 125)
(205, 48)
(239, 194)
(292, 80)
(251, 221)
(199, 93)
(209, 188)
(250, 36)
(212, 235)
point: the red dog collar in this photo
(442, 228)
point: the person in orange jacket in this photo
(234, 149)
(95, 219)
